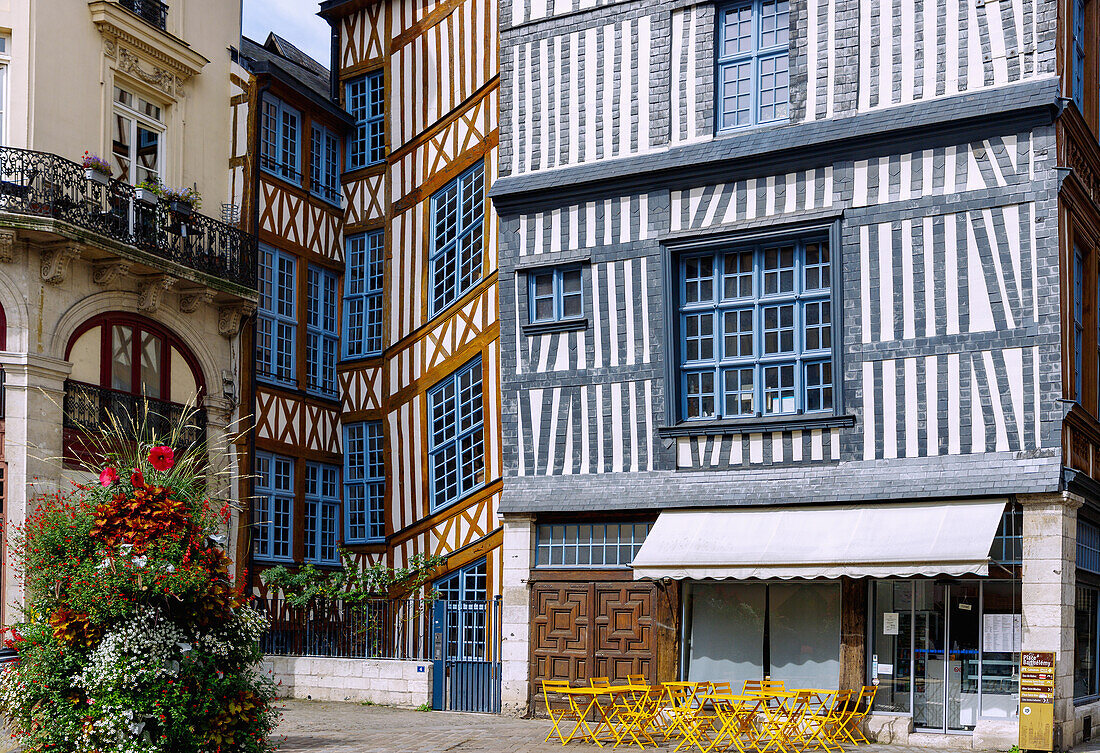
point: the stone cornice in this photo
(117, 25)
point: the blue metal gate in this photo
(466, 654)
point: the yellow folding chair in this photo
(821, 727)
(853, 724)
(560, 715)
(782, 723)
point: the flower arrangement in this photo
(134, 637)
(189, 196)
(96, 164)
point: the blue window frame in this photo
(363, 294)
(322, 339)
(364, 482)
(280, 139)
(324, 153)
(753, 54)
(555, 294)
(756, 336)
(456, 442)
(587, 545)
(273, 508)
(1088, 546)
(276, 321)
(458, 214)
(366, 101)
(1078, 319)
(466, 626)
(322, 499)
(1078, 72)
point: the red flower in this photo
(137, 479)
(108, 476)
(162, 458)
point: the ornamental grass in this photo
(134, 637)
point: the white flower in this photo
(170, 567)
(141, 561)
(104, 564)
(125, 548)
(184, 647)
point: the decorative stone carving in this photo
(105, 273)
(229, 318)
(191, 299)
(55, 262)
(159, 77)
(7, 245)
(152, 289)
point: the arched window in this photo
(3, 329)
(134, 355)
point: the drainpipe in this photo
(334, 64)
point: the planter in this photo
(146, 196)
(180, 207)
(96, 176)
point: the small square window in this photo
(556, 295)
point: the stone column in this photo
(1048, 594)
(519, 558)
(34, 393)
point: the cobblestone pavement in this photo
(353, 728)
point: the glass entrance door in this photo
(947, 667)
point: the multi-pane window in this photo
(589, 544)
(363, 294)
(5, 60)
(273, 508)
(1078, 319)
(1078, 72)
(322, 499)
(324, 155)
(753, 54)
(366, 102)
(276, 322)
(279, 139)
(137, 138)
(458, 211)
(364, 482)
(322, 339)
(756, 335)
(468, 590)
(456, 441)
(555, 294)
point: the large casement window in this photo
(1086, 670)
(753, 54)
(276, 322)
(458, 213)
(280, 139)
(273, 508)
(324, 158)
(363, 294)
(456, 440)
(466, 626)
(365, 100)
(136, 356)
(364, 482)
(743, 631)
(322, 500)
(137, 139)
(322, 339)
(755, 330)
(1078, 319)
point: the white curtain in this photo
(727, 633)
(804, 634)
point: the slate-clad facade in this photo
(825, 260)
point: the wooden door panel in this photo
(624, 633)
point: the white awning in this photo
(922, 538)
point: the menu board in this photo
(1037, 700)
(1001, 633)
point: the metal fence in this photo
(373, 629)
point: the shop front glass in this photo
(946, 651)
(741, 631)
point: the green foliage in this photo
(424, 707)
(133, 635)
(351, 583)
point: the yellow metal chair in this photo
(782, 724)
(559, 716)
(822, 728)
(853, 724)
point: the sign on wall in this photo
(1037, 700)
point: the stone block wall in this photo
(387, 682)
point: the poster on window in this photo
(1001, 633)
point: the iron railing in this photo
(89, 408)
(373, 629)
(46, 185)
(152, 11)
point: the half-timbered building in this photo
(798, 329)
(288, 144)
(418, 366)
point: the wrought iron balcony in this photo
(46, 185)
(90, 408)
(152, 11)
